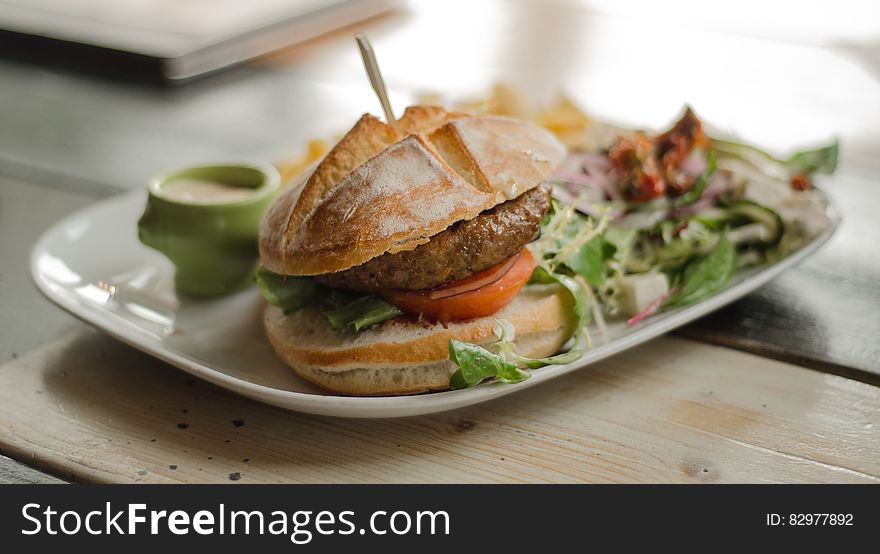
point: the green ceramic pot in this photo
(213, 244)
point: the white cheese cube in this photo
(637, 291)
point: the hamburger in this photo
(408, 239)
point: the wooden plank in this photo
(92, 409)
(15, 473)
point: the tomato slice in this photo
(473, 303)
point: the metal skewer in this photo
(372, 68)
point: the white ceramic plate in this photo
(92, 265)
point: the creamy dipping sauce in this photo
(197, 191)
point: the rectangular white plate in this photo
(92, 265)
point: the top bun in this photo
(385, 189)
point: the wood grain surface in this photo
(15, 473)
(88, 408)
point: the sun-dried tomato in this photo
(801, 181)
(674, 145)
(646, 184)
(633, 158)
(648, 168)
(630, 152)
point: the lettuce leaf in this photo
(705, 275)
(361, 313)
(506, 347)
(581, 307)
(820, 160)
(345, 310)
(589, 260)
(476, 364)
(287, 292)
(572, 242)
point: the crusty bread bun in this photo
(385, 189)
(404, 357)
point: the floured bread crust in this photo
(382, 189)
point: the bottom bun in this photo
(410, 357)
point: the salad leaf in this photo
(589, 260)
(287, 292)
(505, 346)
(572, 355)
(621, 237)
(696, 191)
(476, 364)
(573, 240)
(344, 310)
(581, 301)
(694, 240)
(819, 160)
(705, 275)
(361, 313)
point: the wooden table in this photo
(83, 407)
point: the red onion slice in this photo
(588, 170)
(492, 275)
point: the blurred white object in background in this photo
(184, 38)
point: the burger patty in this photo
(463, 249)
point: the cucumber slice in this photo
(757, 213)
(713, 218)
